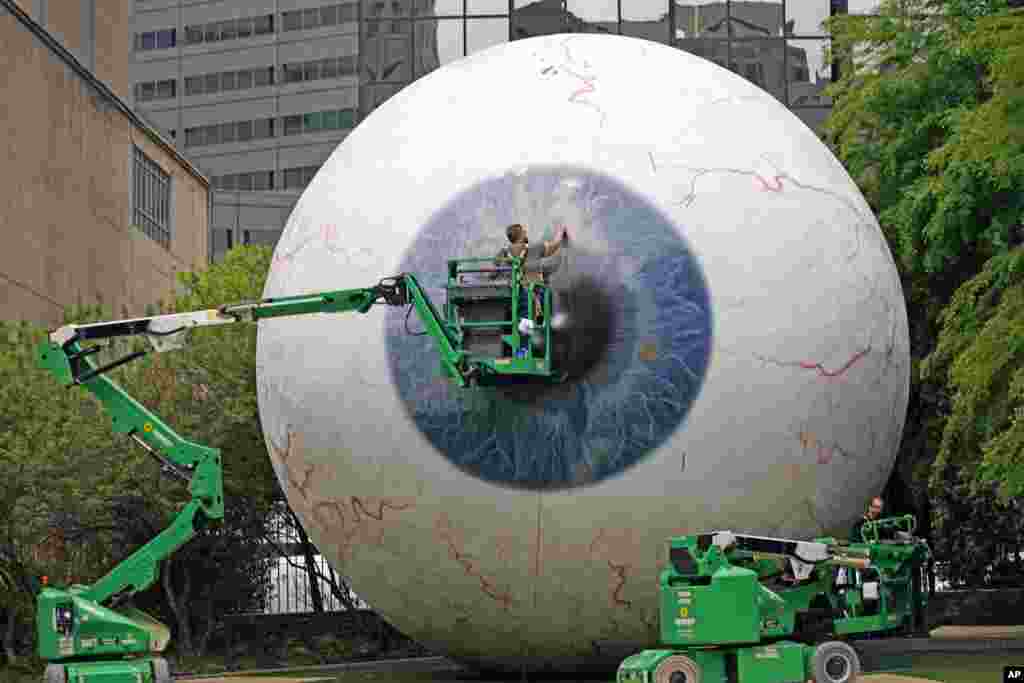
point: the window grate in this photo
(151, 199)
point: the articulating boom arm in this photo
(65, 356)
(802, 555)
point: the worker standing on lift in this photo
(519, 247)
(874, 512)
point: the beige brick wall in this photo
(65, 19)
(113, 45)
(65, 202)
(64, 22)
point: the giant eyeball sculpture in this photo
(732, 330)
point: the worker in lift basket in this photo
(519, 246)
(874, 512)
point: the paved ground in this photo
(978, 632)
(942, 633)
(237, 679)
(872, 678)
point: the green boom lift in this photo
(89, 633)
(731, 613)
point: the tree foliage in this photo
(75, 498)
(978, 473)
(929, 120)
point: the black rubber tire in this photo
(835, 662)
(676, 664)
(55, 673)
(161, 671)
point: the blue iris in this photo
(630, 400)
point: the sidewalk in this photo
(261, 679)
(950, 639)
(945, 639)
(978, 632)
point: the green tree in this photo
(978, 473)
(209, 394)
(928, 121)
(70, 506)
(55, 457)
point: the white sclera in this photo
(798, 419)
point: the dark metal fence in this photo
(291, 591)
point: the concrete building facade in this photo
(260, 92)
(98, 208)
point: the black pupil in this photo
(677, 677)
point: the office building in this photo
(99, 208)
(259, 92)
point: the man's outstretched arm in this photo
(551, 248)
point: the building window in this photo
(263, 77)
(291, 73)
(244, 131)
(263, 180)
(151, 199)
(262, 128)
(252, 181)
(291, 21)
(166, 39)
(754, 73)
(485, 7)
(339, 119)
(156, 40)
(312, 122)
(155, 90)
(233, 131)
(318, 69)
(165, 90)
(193, 85)
(232, 29)
(298, 178)
(483, 33)
(348, 12)
(264, 25)
(209, 84)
